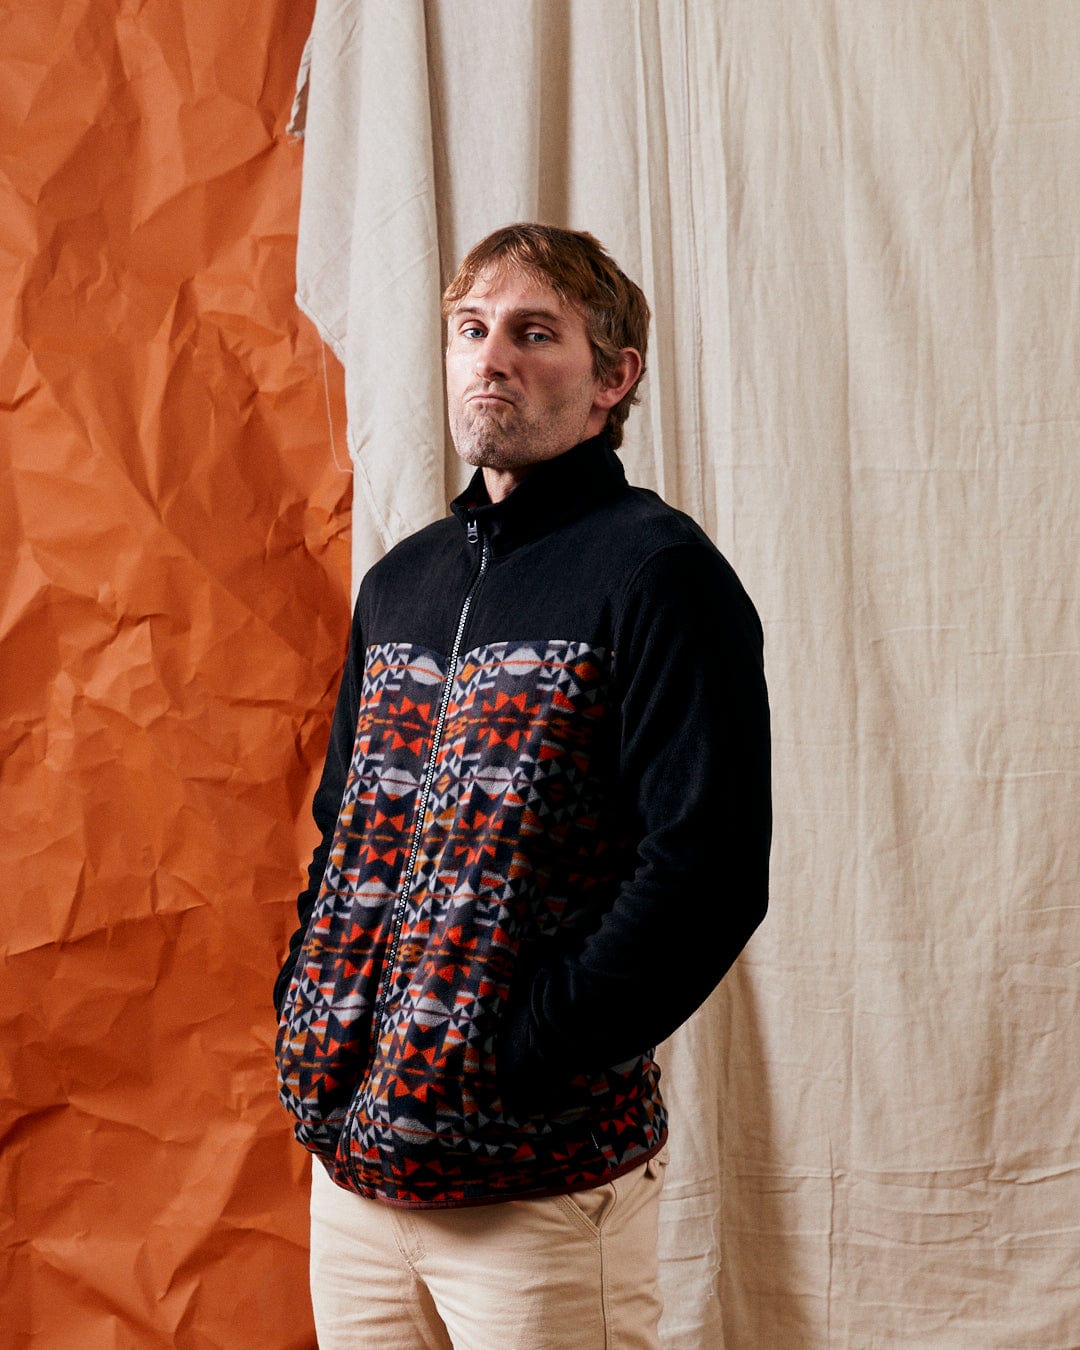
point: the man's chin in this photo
(485, 454)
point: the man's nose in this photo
(493, 357)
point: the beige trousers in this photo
(569, 1272)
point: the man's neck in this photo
(501, 482)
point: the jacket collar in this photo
(554, 493)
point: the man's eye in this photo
(471, 330)
(537, 337)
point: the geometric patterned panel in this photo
(516, 844)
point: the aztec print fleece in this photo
(386, 1043)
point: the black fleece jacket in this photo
(545, 824)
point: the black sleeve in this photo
(695, 770)
(327, 800)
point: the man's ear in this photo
(621, 379)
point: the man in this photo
(545, 831)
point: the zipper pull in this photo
(472, 530)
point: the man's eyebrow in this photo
(528, 312)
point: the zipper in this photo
(473, 534)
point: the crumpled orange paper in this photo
(173, 616)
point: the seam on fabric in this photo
(579, 1217)
(605, 1312)
(406, 1237)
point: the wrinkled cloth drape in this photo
(857, 226)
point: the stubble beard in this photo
(507, 438)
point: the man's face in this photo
(520, 382)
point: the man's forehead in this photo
(512, 287)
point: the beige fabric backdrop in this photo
(857, 223)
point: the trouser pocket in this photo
(601, 1205)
